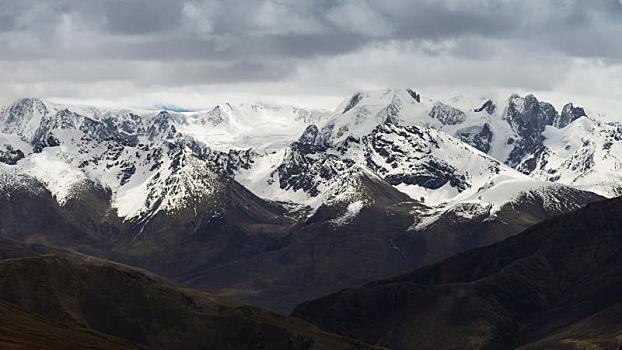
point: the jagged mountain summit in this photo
(522, 132)
(140, 158)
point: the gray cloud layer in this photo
(288, 48)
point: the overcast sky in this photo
(195, 53)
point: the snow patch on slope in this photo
(50, 167)
(352, 211)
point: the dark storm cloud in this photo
(202, 42)
(177, 73)
(228, 29)
(142, 17)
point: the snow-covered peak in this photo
(378, 98)
(24, 116)
(363, 111)
(586, 154)
(569, 114)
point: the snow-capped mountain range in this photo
(439, 152)
(275, 204)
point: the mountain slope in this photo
(341, 244)
(585, 154)
(75, 291)
(22, 330)
(558, 283)
(346, 246)
(31, 214)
